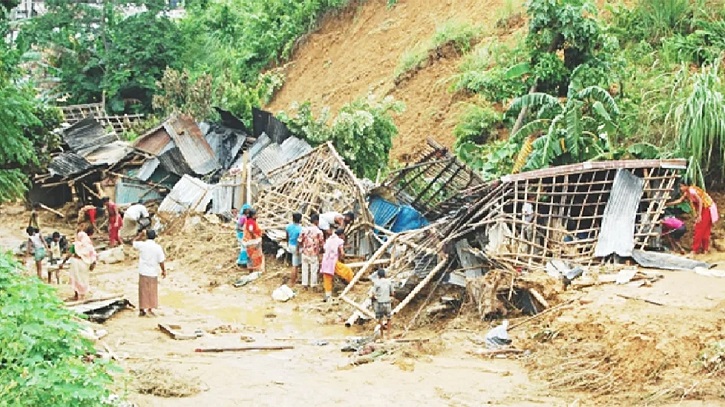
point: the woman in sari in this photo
(243, 258)
(706, 215)
(253, 242)
(82, 258)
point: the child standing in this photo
(38, 245)
(293, 234)
(382, 297)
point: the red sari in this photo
(115, 221)
(708, 216)
(253, 243)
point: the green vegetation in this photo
(459, 36)
(362, 131)
(642, 83)
(42, 354)
(477, 123)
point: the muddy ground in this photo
(601, 349)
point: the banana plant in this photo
(569, 131)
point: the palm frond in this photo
(533, 101)
(533, 128)
(599, 94)
(574, 127)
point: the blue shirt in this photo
(293, 231)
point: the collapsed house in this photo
(316, 182)
(582, 214)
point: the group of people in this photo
(131, 226)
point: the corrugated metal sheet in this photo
(189, 194)
(262, 142)
(596, 165)
(617, 232)
(173, 161)
(192, 144)
(384, 212)
(225, 142)
(224, 194)
(147, 169)
(87, 135)
(68, 164)
(293, 148)
(265, 123)
(128, 192)
(109, 154)
(269, 158)
(666, 261)
(154, 141)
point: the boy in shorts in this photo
(294, 230)
(382, 297)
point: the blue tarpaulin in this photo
(384, 212)
(408, 219)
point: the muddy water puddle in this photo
(282, 318)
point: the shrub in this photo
(484, 71)
(362, 132)
(41, 349)
(476, 124)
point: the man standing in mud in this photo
(150, 259)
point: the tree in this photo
(570, 132)
(362, 132)
(97, 50)
(41, 350)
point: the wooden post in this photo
(420, 285)
(368, 264)
(358, 306)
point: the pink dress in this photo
(332, 254)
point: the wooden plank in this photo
(244, 348)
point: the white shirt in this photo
(328, 219)
(528, 212)
(136, 212)
(150, 255)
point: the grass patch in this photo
(459, 36)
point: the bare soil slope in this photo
(355, 52)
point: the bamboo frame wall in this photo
(414, 259)
(435, 177)
(316, 182)
(567, 201)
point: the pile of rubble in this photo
(435, 221)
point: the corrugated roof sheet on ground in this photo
(192, 144)
(68, 164)
(189, 194)
(87, 135)
(109, 154)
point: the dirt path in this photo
(309, 374)
(441, 374)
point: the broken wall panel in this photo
(435, 177)
(557, 213)
(316, 182)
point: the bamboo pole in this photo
(368, 264)
(442, 264)
(358, 306)
(244, 348)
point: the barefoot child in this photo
(38, 245)
(382, 296)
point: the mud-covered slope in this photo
(356, 51)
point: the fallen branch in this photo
(90, 300)
(52, 210)
(640, 299)
(495, 352)
(531, 318)
(244, 348)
